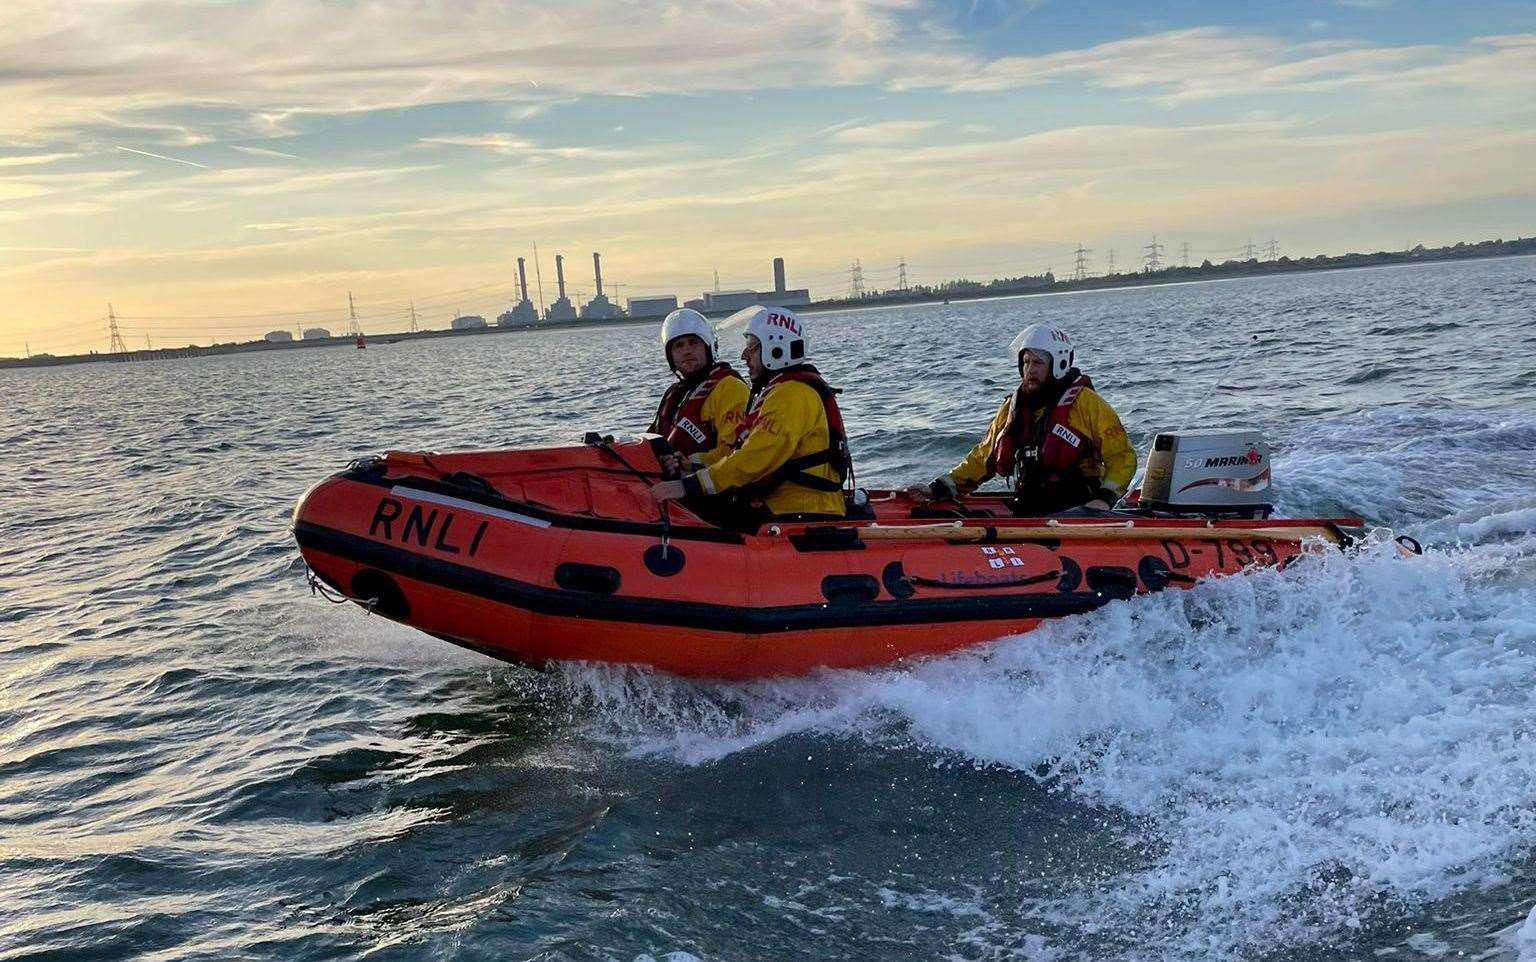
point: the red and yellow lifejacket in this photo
(1044, 452)
(680, 417)
(835, 453)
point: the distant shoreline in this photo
(950, 292)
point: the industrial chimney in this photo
(597, 272)
(561, 309)
(778, 275)
(522, 278)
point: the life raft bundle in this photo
(560, 554)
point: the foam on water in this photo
(1525, 937)
(1296, 751)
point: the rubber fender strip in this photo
(670, 611)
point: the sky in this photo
(215, 169)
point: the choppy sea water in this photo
(199, 760)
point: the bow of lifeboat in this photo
(561, 554)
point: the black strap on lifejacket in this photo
(795, 469)
(836, 453)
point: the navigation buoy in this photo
(361, 344)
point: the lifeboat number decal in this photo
(1258, 551)
(1005, 558)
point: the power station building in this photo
(522, 313)
(716, 302)
(603, 308)
(561, 309)
(599, 308)
(657, 306)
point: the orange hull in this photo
(559, 554)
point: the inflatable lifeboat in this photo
(560, 554)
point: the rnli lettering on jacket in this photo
(1060, 448)
(680, 417)
(787, 445)
(836, 452)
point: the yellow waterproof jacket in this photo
(790, 422)
(688, 420)
(723, 410)
(1110, 464)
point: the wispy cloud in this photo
(264, 152)
(495, 143)
(883, 133)
(174, 160)
(138, 61)
(36, 160)
(31, 184)
(507, 145)
(141, 65)
(1180, 66)
(287, 228)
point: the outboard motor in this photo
(1209, 471)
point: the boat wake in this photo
(1294, 754)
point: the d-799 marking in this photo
(1253, 551)
(421, 525)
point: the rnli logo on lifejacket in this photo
(1066, 434)
(692, 430)
(775, 319)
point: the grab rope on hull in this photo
(318, 587)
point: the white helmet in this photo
(683, 322)
(1053, 342)
(782, 334)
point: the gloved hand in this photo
(667, 490)
(673, 465)
(921, 493)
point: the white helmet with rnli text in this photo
(683, 322)
(782, 334)
(1053, 342)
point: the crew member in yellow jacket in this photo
(1060, 442)
(701, 411)
(790, 457)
